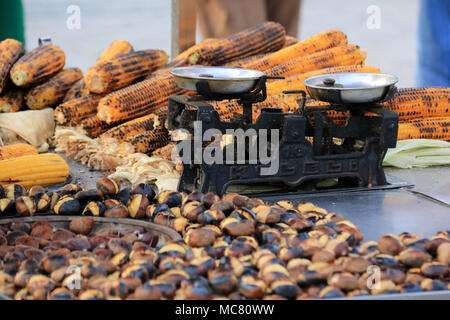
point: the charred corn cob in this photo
(427, 128)
(73, 111)
(242, 63)
(348, 55)
(289, 41)
(41, 169)
(51, 92)
(92, 126)
(16, 150)
(287, 103)
(145, 142)
(263, 38)
(117, 48)
(12, 99)
(132, 128)
(38, 65)
(182, 59)
(413, 103)
(123, 70)
(319, 42)
(77, 90)
(138, 99)
(10, 51)
(295, 82)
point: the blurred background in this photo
(390, 44)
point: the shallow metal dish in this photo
(350, 87)
(221, 80)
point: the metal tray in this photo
(165, 234)
(222, 80)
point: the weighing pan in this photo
(350, 88)
(221, 80)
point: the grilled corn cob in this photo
(132, 128)
(77, 90)
(123, 70)
(427, 128)
(138, 99)
(317, 43)
(92, 126)
(287, 103)
(41, 169)
(295, 82)
(117, 48)
(348, 55)
(38, 65)
(73, 111)
(10, 51)
(413, 103)
(289, 41)
(265, 37)
(16, 150)
(145, 142)
(12, 99)
(182, 59)
(51, 92)
(242, 63)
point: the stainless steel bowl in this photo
(350, 87)
(221, 80)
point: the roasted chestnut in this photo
(83, 225)
(330, 293)
(54, 262)
(355, 265)
(60, 294)
(200, 237)
(92, 294)
(6, 206)
(434, 269)
(252, 287)
(171, 198)
(13, 191)
(137, 204)
(108, 187)
(413, 257)
(390, 244)
(25, 206)
(39, 286)
(344, 281)
(70, 189)
(147, 291)
(433, 285)
(67, 206)
(285, 288)
(94, 208)
(443, 253)
(144, 189)
(209, 199)
(118, 211)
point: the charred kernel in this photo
(108, 187)
(143, 188)
(88, 195)
(94, 208)
(25, 206)
(118, 211)
(70, 189)
(137, 204)
(390, 244)
(14, 191)
(171, 198)
(67, 206)
(83, 225)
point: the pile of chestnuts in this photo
(233, 247)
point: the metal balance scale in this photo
(352, 153)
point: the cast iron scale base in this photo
(355, 159)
